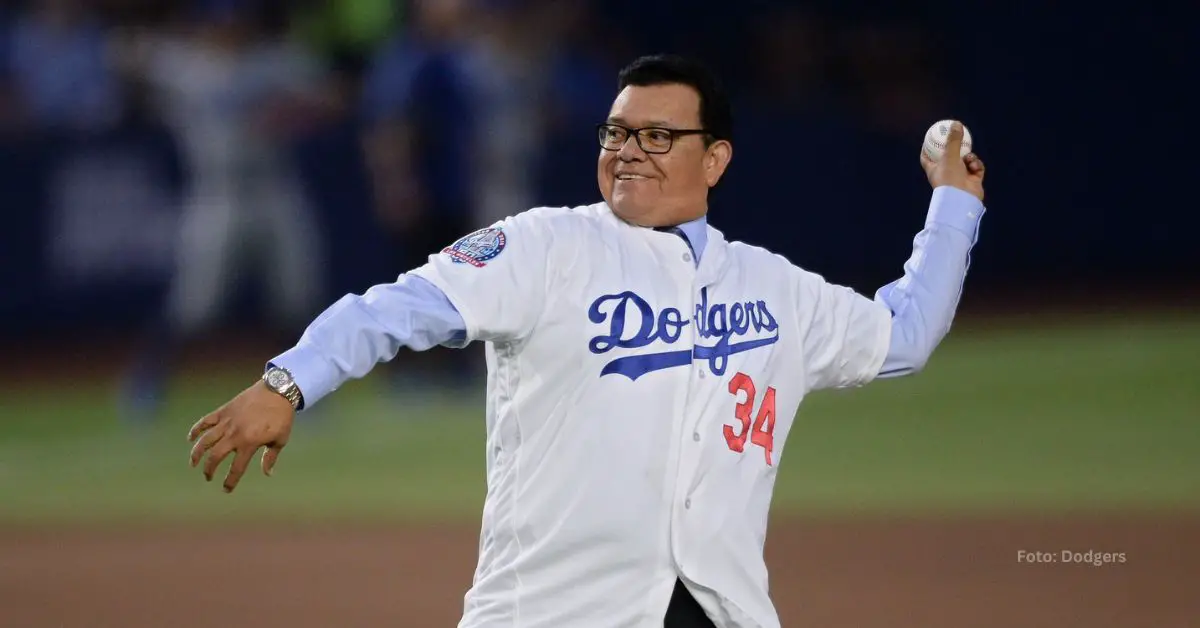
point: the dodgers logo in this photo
(633, 323)
(478, 248)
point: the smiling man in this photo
(643, 372)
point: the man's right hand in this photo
(964, 173)
(257, 417)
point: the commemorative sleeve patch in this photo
(478, 248)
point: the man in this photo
(643, 373)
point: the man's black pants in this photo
(684, 611)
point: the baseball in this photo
(935, 139)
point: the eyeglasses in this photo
(655, 140)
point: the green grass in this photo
(1101, 415)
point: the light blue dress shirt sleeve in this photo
(358, 331)
(924, 300)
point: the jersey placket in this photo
(681, 266)
(695, 436)
(690, 437)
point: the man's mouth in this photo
(628, 176)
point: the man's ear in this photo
(716, 160)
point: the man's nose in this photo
(631, 150)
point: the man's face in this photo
(651, 189)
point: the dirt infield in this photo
(825, 573)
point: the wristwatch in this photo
(281, 381)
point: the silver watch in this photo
(281, 381)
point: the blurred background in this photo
(187, 183)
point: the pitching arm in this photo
(358, 331)
(923, 302)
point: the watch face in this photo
(278, 379)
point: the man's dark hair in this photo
(716, 115)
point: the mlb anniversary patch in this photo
(478, 248)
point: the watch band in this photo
(293, 395)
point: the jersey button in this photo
(696, 436)
(687, 503)
(687, 257)
(702, 375)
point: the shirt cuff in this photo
(957, 209)
(315, 376)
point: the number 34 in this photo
(759, 432)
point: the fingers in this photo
(953, 141)
(206, 442)
(238, 468)
(203, 424)
(927, 163)
(216, 456)
(269, 457)
(974, 164)
(221, 441)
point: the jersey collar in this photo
(696, 232)
(708, 245)
(712, 264)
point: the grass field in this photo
(1082, 415)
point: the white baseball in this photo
(935, 140)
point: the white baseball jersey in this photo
(637, 411)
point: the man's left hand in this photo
(964, 173)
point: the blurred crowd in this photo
(460, 104)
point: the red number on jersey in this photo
(761, 431)
(740, 383)
(764, 425)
